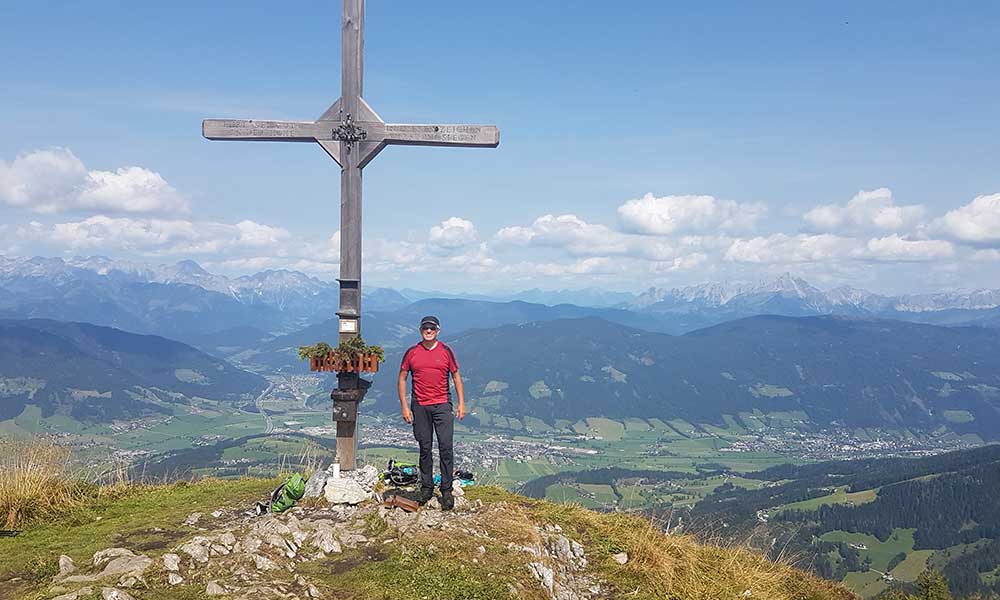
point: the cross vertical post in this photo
(352, 134)
(351, 71)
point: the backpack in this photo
(286, 494)
(401, 473)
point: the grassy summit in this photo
(494, 545)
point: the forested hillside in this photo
(875, 522)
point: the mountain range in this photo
(184, 301)
(181, 301)
(94, 373)
(828, 370)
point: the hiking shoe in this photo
(425, 495)
(447, 500)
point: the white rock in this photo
(620, 558)
(227, 539)
(344, 491)
(86, 591)
(264, 563)
(174, 579)
(114, 594)
(543, 574)
(457, 491)
(197, 548)
(193, 518)
(326, 540)
(214, 589)
(366, 477)
(103, 556)
(66, 565)
(314, 486)
(171, 562)
(216, 514)
(126, 565)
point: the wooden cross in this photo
(352, 134)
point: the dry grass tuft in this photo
(37, 481)
(673, 566)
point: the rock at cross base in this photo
(314, 486)
(344, 491)
(366, 477)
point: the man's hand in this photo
(461, 411)
(407, 415)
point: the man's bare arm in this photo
(460, 390)
(401, 388)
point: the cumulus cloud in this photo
(53, 181)
(452, 233)
(579, 238)
(897, 249)
(867, 211)
(804, 248)
(671, 214)
(976, 223)
(157, 236)
(782, 248)
(681, 263)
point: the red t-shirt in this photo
(430, 369)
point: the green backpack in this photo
(286, 494)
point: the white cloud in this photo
(782, 248)
(976, 223)
(867, 211)
(681, 263)
(53, 181)
(987, 255)
(452, 233)
(579, 238)
(896, 249)
(595, 265)
(156, 237)
(671, 214)
(805, 248)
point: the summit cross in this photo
(352, 134)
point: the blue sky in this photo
(655, 144)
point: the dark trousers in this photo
(434, 420)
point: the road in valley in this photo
(259, 402)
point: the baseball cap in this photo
(430, 320)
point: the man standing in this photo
(430, 410)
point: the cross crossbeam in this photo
(351, 131)
(352, 134)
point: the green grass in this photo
(880, 553)
(912, 566)
(867, 584)
(839, 496)
(611, 431)
(570, 494)
(104, 524)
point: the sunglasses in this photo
(428, 328)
